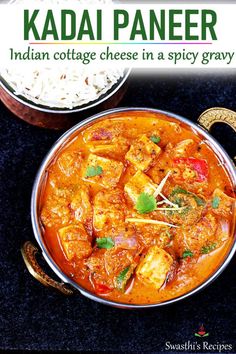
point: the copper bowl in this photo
(57, 118)
(206, 120)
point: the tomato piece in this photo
(102, 289)
(198, 165)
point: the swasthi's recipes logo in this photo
(201, 345)
(201, 332)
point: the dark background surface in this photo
(35, 317)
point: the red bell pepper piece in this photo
(102, 289)
(198, 165)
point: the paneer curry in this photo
(137, 208)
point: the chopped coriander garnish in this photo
(145, 203)
(182, 210)
(208, 249)
(187, 253)
(180, 190)
(215, 202)
(155, 139)
(199, 201)
(93, 171)
(105, 242)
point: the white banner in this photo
(151, 35)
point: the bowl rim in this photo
(47, 160)
(54, 110)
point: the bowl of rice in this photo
(39, 95)
(57, 97)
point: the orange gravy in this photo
(189, 272)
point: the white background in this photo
(11, 32)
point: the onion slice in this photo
(126, 242)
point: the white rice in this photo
(66, 87)
(59, 85)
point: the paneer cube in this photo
(195, 237)
(222, 204)
(116, 259)
(184, 148)
(112, 268)
(192, 211)
(154, 267)
(69, 162)
(143, 153)
(101, 148)
(55, 211)
(119, 265)
(75, 242)
(80, 204)
(109, 148)
(151, 234)
(108, 209)
(109, 171)
(139, 183)
(101, 281)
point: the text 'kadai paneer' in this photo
(137, 208)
